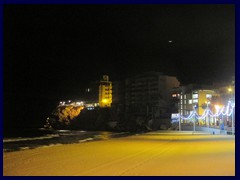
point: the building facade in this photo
(196, 98)
(105, 92)
(149, 94)
(118, 94)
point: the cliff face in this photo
(99, 119)
(62, 116)
(69, 112)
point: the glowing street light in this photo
(217, 107)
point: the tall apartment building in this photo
(118, 93)
(149, 93)
(105, 92)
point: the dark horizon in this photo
(51, 52)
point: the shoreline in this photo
(60, 137)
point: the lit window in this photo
(208, 96)
(190, 101)
(105, 101)
(195, 96)
(174, 95)
(195, 101)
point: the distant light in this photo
(217, 107)
(170, 41)
(230, 89)
(69, 101)
(104, 100)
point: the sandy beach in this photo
(153, 154)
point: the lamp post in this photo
(217, 107)
(179, 116)
(207, 102)
(232, 120)
(230, 90)
(194, 121)
(179, 122)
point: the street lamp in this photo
(230, 90)
(207, 102)
(194, 121)
(179, 116)
(232, 121)
(217, 107)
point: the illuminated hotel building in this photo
(105, 92)
(194, 97)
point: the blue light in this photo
(207, 112)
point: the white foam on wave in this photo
(23, 148)
(51, 145)
(48, 136)
(84, 140)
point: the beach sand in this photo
(150, 154)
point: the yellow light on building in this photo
(207, 102)
(105, 92)
(204, 98)
(105, 101)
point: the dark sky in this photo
(52, 51)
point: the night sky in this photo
(51, 52)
